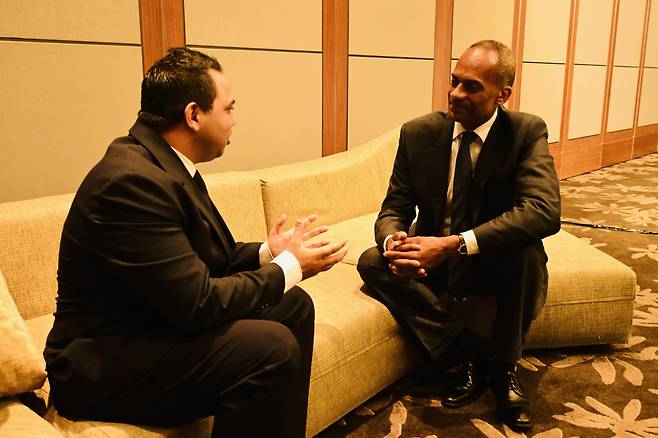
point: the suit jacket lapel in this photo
(168, 160)
(439, 165)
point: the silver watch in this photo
(462, 249)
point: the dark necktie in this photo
(459, 267)
(460, 211)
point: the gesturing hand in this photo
(316, 257)
(278, 239)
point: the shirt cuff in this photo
(264, 254)
(292, 272)
(386, 241)
(471, 242)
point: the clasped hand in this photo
(312, 257)
(413, 257)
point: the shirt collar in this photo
(189, 165)
(482, 131)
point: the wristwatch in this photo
(462, 249)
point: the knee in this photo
(369, 262)
(279, 348)
(303, 307)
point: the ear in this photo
(504, 95)
(192, 115)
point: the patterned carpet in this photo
(603, 391)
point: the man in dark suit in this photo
(485, 191)
(161, 316)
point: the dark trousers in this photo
(252, 375)
(422, 305)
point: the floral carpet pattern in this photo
(598, 391)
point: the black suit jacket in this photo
(515, 199)
(143, 258)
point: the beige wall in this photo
(64, 97)
(69, 82)
(391, 51)
(274, 61)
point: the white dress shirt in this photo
(292, 272)
(475, 147)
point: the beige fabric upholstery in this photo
(590, 297)
(590, 294)
(358, 349)
(100, 429)
(30, 232)
(336, 188)
(237, 196)
(18, 421)
(39, 328)
(22, 367)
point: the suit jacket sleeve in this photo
(535, 211)
(399, 206)
(140, 234)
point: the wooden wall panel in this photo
(162, 28)
(442, 52)
(616, 152)
(334, 76)
(651, 59)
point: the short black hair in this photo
(173, 82)
(506, 61)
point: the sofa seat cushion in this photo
(359, 348)
(22, 367)
(590, 297)
(590, 294)
(19, 421)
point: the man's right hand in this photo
(315, 257)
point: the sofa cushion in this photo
(22, 367)
(30, 232)
(39, 328)
(590, 297)
(325, 186)
(237, 196)
(590, 294)
(18, 421)
(358, 348)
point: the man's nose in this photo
(456, 92)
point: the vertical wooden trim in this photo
(442, 53)
(518, 38)
(609, 68)
(640, 78)
(173, 24)
(335, 28)
(162, 26)
(568, 73)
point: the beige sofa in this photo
(359, 348)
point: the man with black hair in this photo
(481, 186)
(161, 316)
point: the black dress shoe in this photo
(470, 387)
(514, 406)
